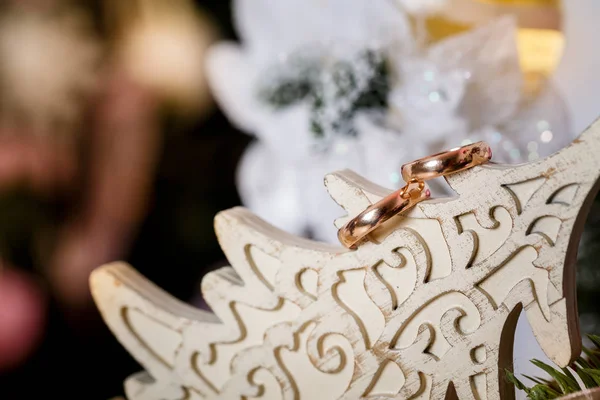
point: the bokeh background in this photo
(136, 180)
(112, 148)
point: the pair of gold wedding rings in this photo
(414, 174)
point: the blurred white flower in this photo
(281, 176)
(333, 84)
(458, 86)
(276, 34)
(425, 90)
(48, 64)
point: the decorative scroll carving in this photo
(426, 309)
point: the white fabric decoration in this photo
(333, 84)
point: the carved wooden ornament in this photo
(426, 309)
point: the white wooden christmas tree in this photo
(425, 309)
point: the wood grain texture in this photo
(425, 310)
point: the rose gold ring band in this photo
(415, 191)
(447, 162)
(364, 223)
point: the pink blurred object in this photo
(45, 165)
(125, 141)
(22, 317)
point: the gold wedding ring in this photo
(364, 223)
(447, 162)
(415, 191)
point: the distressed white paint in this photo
(422, 305)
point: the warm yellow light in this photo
(162, 44)
(540, 50)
